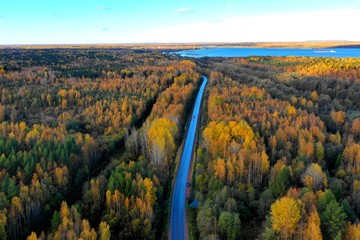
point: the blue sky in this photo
(122, 21)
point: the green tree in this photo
(12, 190)
(333, 219)
(205, 222)
(3, 234)
(229, 225)
(280, 183)
(319, 152)
(55, 221)
(324, 199)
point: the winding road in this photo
(178, 220)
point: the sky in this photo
(170, 21)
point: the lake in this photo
(246, 52)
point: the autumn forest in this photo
(90, 142)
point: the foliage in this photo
(285, 216)
(333, 219)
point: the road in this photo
(177, 221)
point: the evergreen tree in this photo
(55, 221)
(333, 219)
(281, 182)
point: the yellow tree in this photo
(351, 157)
(314, 96)
(353, 232)
(161, 140)
(2, 113)
(87, 232)
(291, 111)
(313, 231)
(220, 169)
(64, 212)
(61, 176)
(355, 127)
(104, 231)
(285, 216)
(338, 117)
(32, 236)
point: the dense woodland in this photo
(64, 113)
(89, 139)
(278, 155)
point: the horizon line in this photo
(180, 43)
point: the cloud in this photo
(320, 25)
(2, 17)
(183, 10)
(105, 29)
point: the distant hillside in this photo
(348, 46)
(172, 46)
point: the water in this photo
(246, 52)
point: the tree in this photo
(338, 117)
(55, 221)
(161, 139)
(319, 152)
(219, 169)
(61, 176)
(32, 236)
(64, 212)
(205, 222)
(280, 183)
(3, 234)
(13, 189)
(16, 215)
(314, 177)
(285, 216)
(104, 231)
(291, 111)
(2, 113)
(87, 232)
(333, 219)
(314, 96)
(352, 232)
(355, 127)
(351, 157)
(324, 199)
(313, 231)
(229, 225)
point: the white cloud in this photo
(183, 10)
(322, 25)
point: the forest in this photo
(90, 138)
(278, 154)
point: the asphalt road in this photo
(177, 222)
